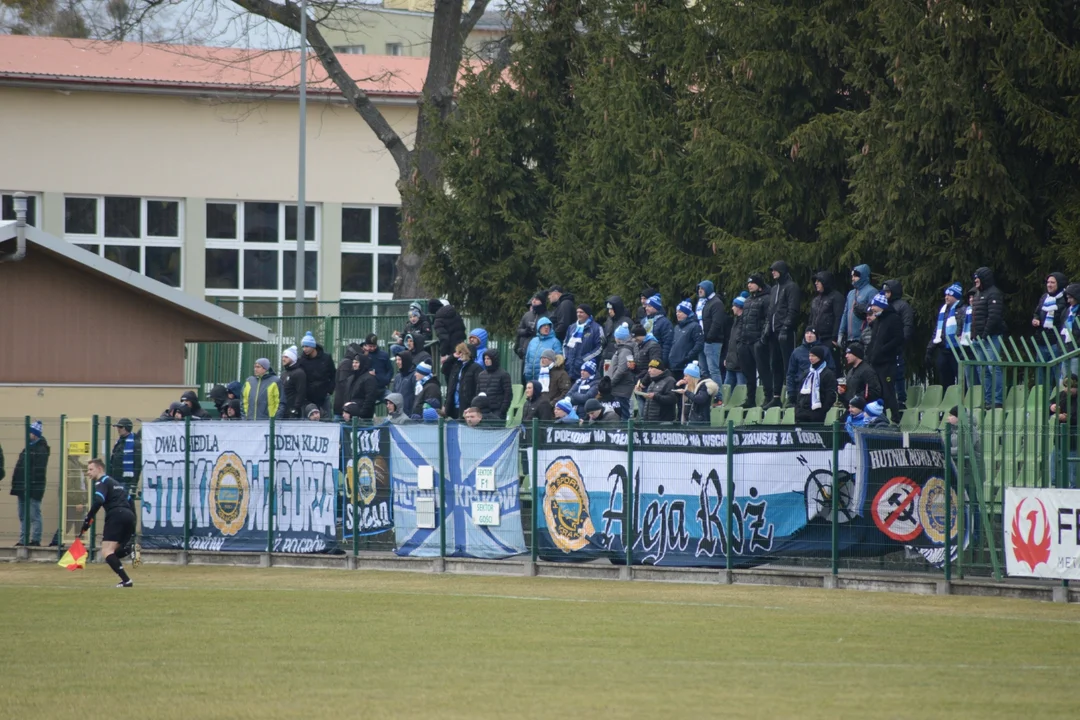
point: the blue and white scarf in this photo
(545, 378)
(1049, 309)
(965, 335)
(812, 385)
(701, 307)
(1070, 318)
(129, 456)
(946, 325)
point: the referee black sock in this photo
(118, 568)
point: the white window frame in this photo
(397, 44)
(350, 49)
(281, 246)
(37, 204)
(142, 242)
(373, 248)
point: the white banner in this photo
(1042, 538)
(229, 488)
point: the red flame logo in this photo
(1027, 550)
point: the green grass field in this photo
(218, 642)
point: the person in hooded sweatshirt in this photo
(320, 370)
(800, 362)
(714, 329)
(478, 341)
(688, 342)
(419, 354)
(585, 387)
(894, 290)
(817, 388)
(886, 341)
(449, 328)
(698, 394)
(620, 368)
(527, 327)
(537, 404)
(544, 340)
(293, 387)
(1071, 326)
(417, 325)
(1048, 319)
(462, 387)
(363, 388)
(344, 373)
(785, 298)
(658, 325)
(827, 312)
(403, 379)
(853, 323)
(987, 329)
(395, 409)
(192, 401)
(495, 383)
(616, 317)
(426, 390)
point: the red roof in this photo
(92, 62)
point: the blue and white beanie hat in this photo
(565, 405)
(589, 366)
(308, 341)
(655, 302)
(685, 307)
(35, 428)
(955, 290)
(424, 369)
(692, 370)
(880, 301)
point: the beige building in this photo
(402, 27)
(180, 163)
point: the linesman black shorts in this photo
(119, 526)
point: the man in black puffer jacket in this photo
(449, 328)
(894, 290)
(753, 351)
(886, 342)
(827, 312)
(404, 383)
(321, 373)
(495, 382)
(563, 310)
(987, 327)
(785, 299)
(344, 373)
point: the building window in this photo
(143, 235)
(395, 49)
(349, 49)
(251, 253)
(7, 207)
(370, 246)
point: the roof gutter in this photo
(20, 230)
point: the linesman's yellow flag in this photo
(75, 557)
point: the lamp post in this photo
(301, 208)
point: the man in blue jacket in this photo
(853, 324)
(584, 341)
(688, 342)
(380, 363)
(661, 326)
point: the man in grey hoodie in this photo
(395, 409)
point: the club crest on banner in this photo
(566, 505)
(366, 472)
(229, 494)
(932, 511)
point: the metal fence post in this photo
(187, 483)
(948, 506)
(628, 497)
(93, 454)
(271, 510)
(60, 488)
(534, 538)
(26, 483)
(107, 448)
(355, 492)
(730, 492)
(834, 541)
(441, 515)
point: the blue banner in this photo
(479, 523)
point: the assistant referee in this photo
(119, 518)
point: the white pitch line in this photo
(876, 666)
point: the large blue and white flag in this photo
(495, 451)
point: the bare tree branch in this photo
(288, 15)
(472, 17)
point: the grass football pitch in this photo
(221, 642)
